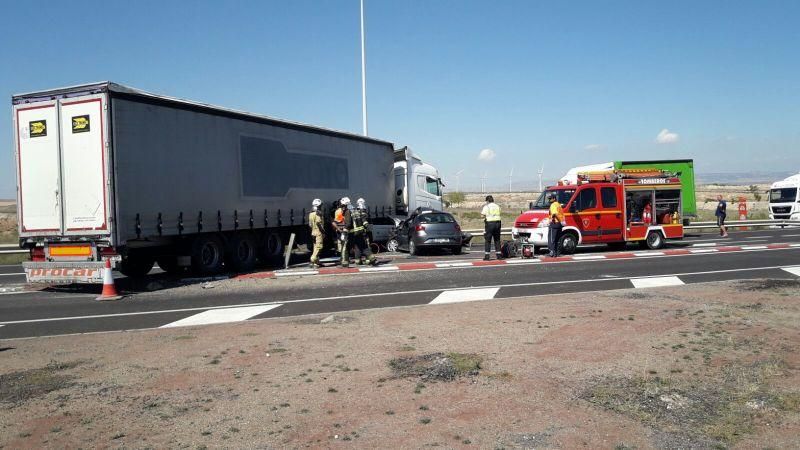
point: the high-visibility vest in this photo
(492, 212)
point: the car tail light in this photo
(420, 227)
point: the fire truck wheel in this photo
(654, 240)
(207, 255)
(136, 266)
(568, 243)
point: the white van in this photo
(784, 202)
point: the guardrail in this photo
(703, 225)
(11, 248)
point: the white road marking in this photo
(757, 237)
(588, 257)
(298, 273)
(754, 247)
(523, 261)
(706, 244)
(465, 295)
(794, 245)
(224, 315)
(379, 269)
(656, 282)
(458, 264)
(703, 250)
(649, 254)
(791, 235)
(793, 270)
(11, 274)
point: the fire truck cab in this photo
(609, 207)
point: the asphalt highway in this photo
(159, 302)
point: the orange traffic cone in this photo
(109, 289)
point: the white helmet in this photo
(361, 203)
(317, 202)
(345, 201)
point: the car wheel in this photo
(457, 250)
(392, 245)
(568, 243)
(412, 248)
(654, 240)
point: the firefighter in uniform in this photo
(316, 223)
(491, 217)
(346, 226)
(358, 234)
(338, 223)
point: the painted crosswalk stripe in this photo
(223, 315)
(656, 282)
(465, 295)
(588, 257)
(793, 270)
(705, 244)
(754, 247)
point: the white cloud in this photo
(594, 147)
(486, 155)
(667, 137)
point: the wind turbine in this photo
(483, 183)
(458, 180)
(363, 75)
(510, 174)
(541, 171)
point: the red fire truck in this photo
(609, 207)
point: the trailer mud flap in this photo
(64, 272)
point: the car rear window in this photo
(436, 218)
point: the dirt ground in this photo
(702, 366)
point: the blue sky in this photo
(557, 84)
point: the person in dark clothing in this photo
(721, 213)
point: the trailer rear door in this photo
(38, 170)
(62, 167)
(84, 165)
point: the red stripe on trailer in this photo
(416, 266)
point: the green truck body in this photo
(683, 168)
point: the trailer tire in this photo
(240, 252)
(654, 240)
(136, 266)
(568, 242)
(169, 264)
(271, 248)
(207, 255)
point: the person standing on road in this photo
(358, 234)
(491, 217)
(344, 236)
(316, 223)
(721, 213)
(556, 225)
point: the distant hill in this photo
(745, 178)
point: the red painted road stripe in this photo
(546, 259)
(620, 256)
(256, 275)
(416, 266)
(729, 249)
(338, 270)
(677, 252)
(778, 246)
(488, 263)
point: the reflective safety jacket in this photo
(491, 212)
(556, 213)
(359, 221)
(316, 224)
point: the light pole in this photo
(363, 75)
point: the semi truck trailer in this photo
(105, 171)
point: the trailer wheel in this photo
(240, 253)
(136, 266)
(568, 242)
(654, 240)
(207, 255)
(271, 247)
(169, 264)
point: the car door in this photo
(402, 234)
(611, 215)
(587, 213)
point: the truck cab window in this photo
(432, 186)
(609, 197)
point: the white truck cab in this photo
(784, 201)
(416, 183)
